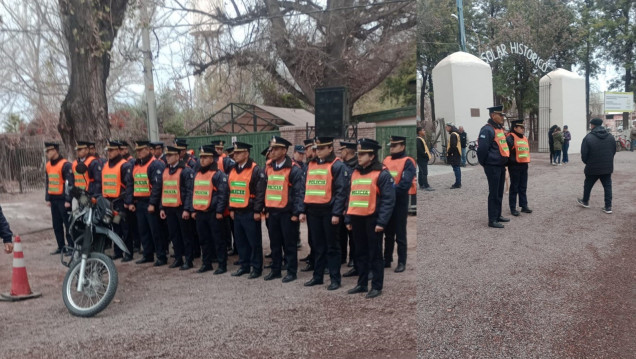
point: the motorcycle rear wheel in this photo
(100, 285)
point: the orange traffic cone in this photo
(20, 288)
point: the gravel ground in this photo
(161, 312)
(557, 283)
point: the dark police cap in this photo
(241, 146)
(156, 144)
(172, 150)
(309, 142)
(123, 143)
(208, 150)
(139, 145)
(397, 140)
(349, 145)
(516, 123)
(323, 141)
(299, 148)
(51, 146)
(495, 109)
(218, 143)
(368, 145)
(181, 144)
(265, 151)
(596, 122)
(83, 144)
(229, 150)
(114, 145)
(278, 141)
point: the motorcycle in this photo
(91, 281)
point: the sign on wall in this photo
(514, 48)
(619, 102)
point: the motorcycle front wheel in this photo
(100, 285)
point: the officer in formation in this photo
(493, 154)
(59, 179)
(310, 154)
(299, 156)
(348, 154)
(184, 156)
(518, 167)
(402, 168)
(131, 221)
(369, 209)
(90, 178)
(156, 148)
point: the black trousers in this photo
(165, 234)
(422, 178)
(518, 186)
(346, 240)
(326, 246)
(551, 152)
(249, 241)
(368, 251)
(395, 230)
(226, 228)
(496, 176)
(130, 231)
(149, 231)
(310, 242)
(122, 229)
(211, 238)
(60, 219)
(282, 234)
(606, 181)
(179, 233)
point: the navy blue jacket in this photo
(597, 152)
(385, 201)
(95, 174)
(340, 186)
(221, 193)
(68, 176)
(406, 181)
(488, 151)
(186, 184)
(296, 192)
(155, 176)
(5, 230)
(228, 164)
(258, 183)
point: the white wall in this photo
(462, 81)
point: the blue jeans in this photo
(632, 147)
(458, 175)
(557, 156)
(566, 145)
(464, 156)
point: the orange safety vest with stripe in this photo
(277, 192)
(171, 190)
(141, 182)
(522, 148)
(82, 180)
(364, 192)
(111, 180)
(203, 188)
(396, 168)
(54, 174)
(500, 140)
(240, 187)
(319, 180)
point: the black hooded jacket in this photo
(597, 152)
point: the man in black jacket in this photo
(454, 154)
(423, 155)
(5, 233)
(551, 142)
(597, 152)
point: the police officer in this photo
(117, 187)
(518, 167)
(92, 151)
(148, 179)
(247, 194)
(369, 209)
(184, 156)
(402, 168)
(326, 190)
(59, 172)
(90, 178)
(493, 154)
(299, 156)
(310, 154)
(124, 150)
(176, 206)
(230, 152)
(130, 230)
(423, 155)
(225, 163)
(349, 156)
(156, 148)
(283, 204)
(209, 202)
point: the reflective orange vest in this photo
(220, 163)
(277, 187)
(56, 180)
(240, 187)
(203, 188)
(142, 185)
(500, 140)
(319, 180)
(459, 144)
(396, 168)
(111, 180)
(364, 191)
(522, 148)
(82, 180)
(171, 190)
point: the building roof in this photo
(295, 116)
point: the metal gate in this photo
(544, 118)
(22, 164)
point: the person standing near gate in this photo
(283, 204)
(597, 152)
(59, 176)
(326, 190)
(567, 137)
(518, 167)
(464, 142)
(423, 155)
(454, 154)
(369, 210)
(90, 178)
(148, 179)
(247, 197)
(176, 206)
(117, 188)
(402, 168)
(209, 201)
(493, 154)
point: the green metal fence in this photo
(383, 135)
(259, 141)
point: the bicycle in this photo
(471, 154)
(622, 143)
(435, 153)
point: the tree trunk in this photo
(90, 27)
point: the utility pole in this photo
(460, 24)
(153, 128)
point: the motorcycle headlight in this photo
(84, 200)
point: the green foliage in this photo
(399, 88)
(273, 95)
(13, 123)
